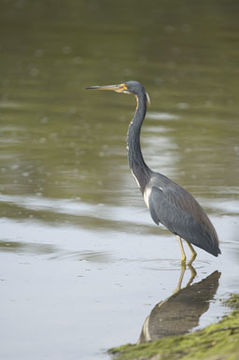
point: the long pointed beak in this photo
(106, 87)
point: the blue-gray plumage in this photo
(168, 203)
(175, 208)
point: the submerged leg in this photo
(182, 272)
(180, 280)
(193, 274)
(183, 256)
(193, 253)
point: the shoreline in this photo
(217, 341)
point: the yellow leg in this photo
(193, 253)
(183, 256)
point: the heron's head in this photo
(129, 87)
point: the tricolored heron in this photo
(169, 204)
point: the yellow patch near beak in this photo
(122, 87)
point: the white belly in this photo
(147, 193)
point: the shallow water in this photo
(82, 264)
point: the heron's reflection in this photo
(180, 280)
(180, 312)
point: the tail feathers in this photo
(205, 240)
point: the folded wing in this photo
(175, 208)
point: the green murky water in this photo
(82, 264)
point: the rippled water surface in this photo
(82, 264)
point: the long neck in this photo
(136, 161)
